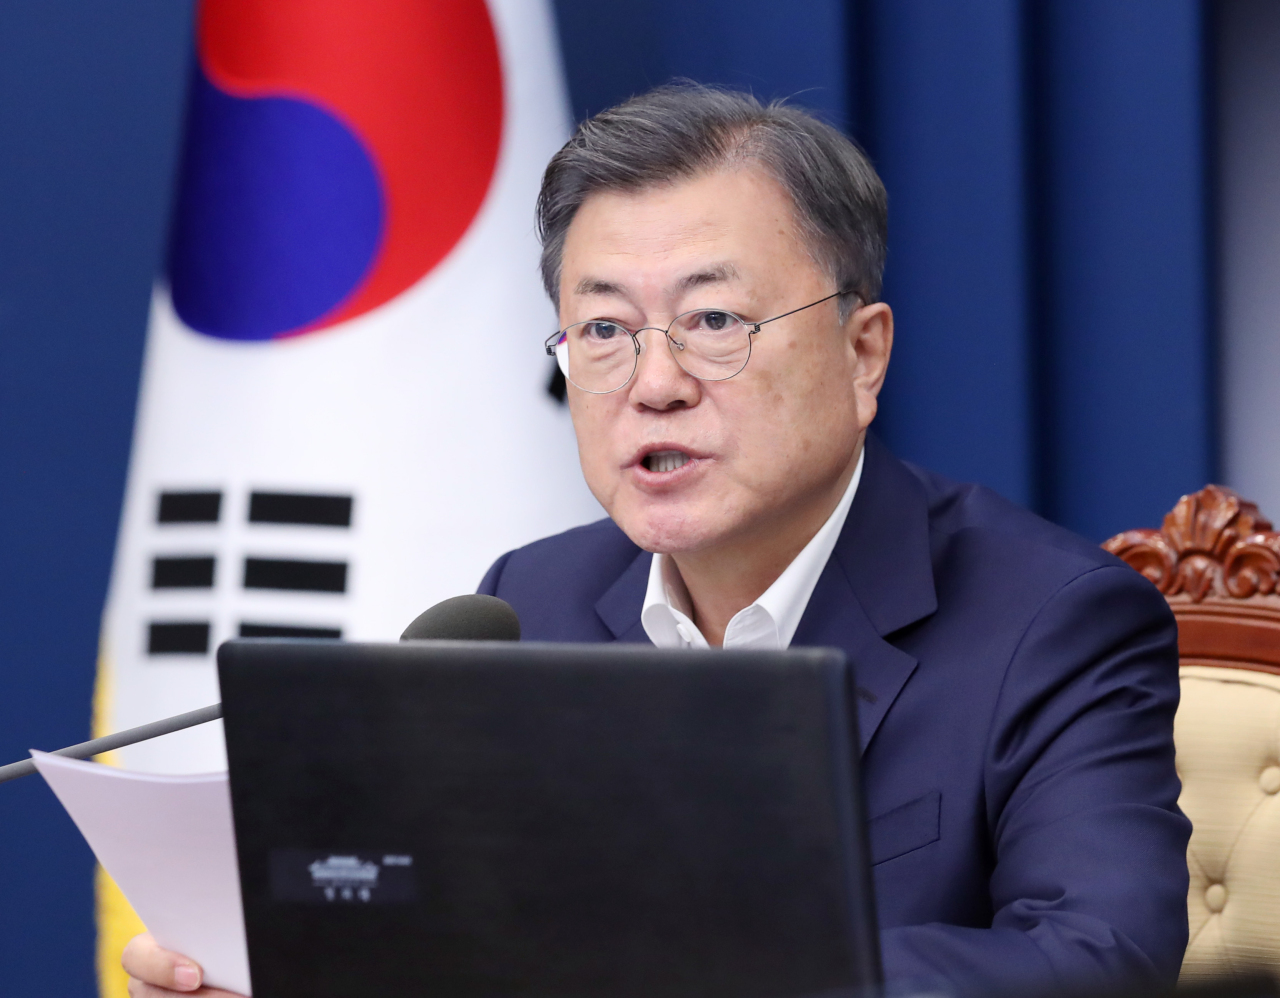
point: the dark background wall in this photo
(1046, 163)
(1048, 251)
(90, 101)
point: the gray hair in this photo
(683, 130)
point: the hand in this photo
(157, 973)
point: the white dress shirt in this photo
(771, 621)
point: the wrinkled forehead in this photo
(725, 228)
(723, 273)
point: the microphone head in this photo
(465, 618)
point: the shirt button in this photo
(684, 634)
(1269, 779)
(1215, 898)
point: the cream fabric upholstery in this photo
(1228, 740)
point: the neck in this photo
(731, 576)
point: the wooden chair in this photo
(1217, 561)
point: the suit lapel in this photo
(878, 580)
(835, 619)
(884, 546)
(621, 603)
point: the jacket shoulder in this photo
(554, 583)
(974, 515)
(998, 563)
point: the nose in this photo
(660, 383)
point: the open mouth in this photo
(665, 460)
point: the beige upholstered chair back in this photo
(1217, 562)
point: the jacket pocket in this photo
(907, 827)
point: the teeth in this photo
(666, 460)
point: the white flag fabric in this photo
(344, 415)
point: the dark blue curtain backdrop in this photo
(90, 96)
(1048, 265)
(1048, 258)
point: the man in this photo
(716, 264)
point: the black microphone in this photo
(461, 618)
(466, 618)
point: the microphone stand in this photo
(121, 738)
(474, 617)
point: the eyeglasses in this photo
(600, 356)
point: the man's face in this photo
(760, 449)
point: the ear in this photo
(870, 331)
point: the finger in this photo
(140, 989)
(144, 959)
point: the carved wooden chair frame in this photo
(1217, 561)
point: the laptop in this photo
(474, 819)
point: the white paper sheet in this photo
(168, 842)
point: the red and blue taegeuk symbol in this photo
(336, 150)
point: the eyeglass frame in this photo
(752, 328)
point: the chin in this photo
(667, 530)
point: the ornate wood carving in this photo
(1217, 561)
(1213, 543)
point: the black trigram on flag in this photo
(188, 574)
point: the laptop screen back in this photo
(470, 819)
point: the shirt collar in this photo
(771, 621)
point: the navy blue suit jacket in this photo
(1017, 690)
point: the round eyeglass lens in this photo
(711, 344)
(597, 356)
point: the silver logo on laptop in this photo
(338, 877)
(344, 877)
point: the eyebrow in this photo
(595, 286)
(718, 274)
